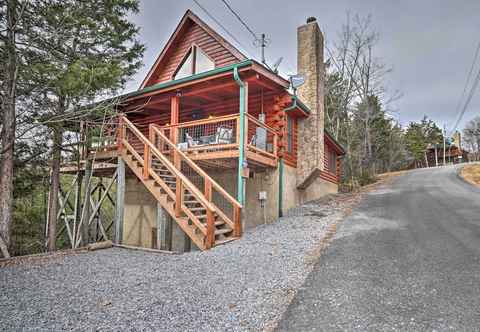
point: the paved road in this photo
(408, 258)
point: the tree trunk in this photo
(54, 188)
(8, 132)
(426, 159)
(436, 155)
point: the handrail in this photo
(190, 186)
(199, 122)
(261, 124)
(197, 168)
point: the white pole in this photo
(444, 133)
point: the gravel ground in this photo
(244, 285)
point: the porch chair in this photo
(190, 141)
(224, 135)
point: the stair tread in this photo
(223, 231)
(197, 209)
(225, 240)
(217, 223)
(167, 176)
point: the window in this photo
(196, 61)
(289, 134)
(185, 68)
(332, 161)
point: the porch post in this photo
(174, 117)
(120, 204)
(241, 144)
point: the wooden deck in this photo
(218, 140)
(211, 143)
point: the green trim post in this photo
(241, 144)
(280, 188)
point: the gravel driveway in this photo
(244, 285)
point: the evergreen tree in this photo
(90, 50)
(68, 54)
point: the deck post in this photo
(87, 208)
(77, 212)
(120, 204)
(174, 118)
(164, 229)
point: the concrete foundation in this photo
(140, 227)
(293, 197)
(146, 225)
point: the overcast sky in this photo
(430, 44)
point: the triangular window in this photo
(196, 61)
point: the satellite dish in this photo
(276, 64)
(296, 81)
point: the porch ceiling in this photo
(197, 94)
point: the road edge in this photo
(466, 183)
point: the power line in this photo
(221, 26)
(246, 49)
(467, 102)
(240, 19)
(475, 57)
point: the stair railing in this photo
(182, 182)
(210, 186)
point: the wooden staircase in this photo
(157, 162)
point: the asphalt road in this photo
(408, 258)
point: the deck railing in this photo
(261, 139)
(219, 137)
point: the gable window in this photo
(196, 61)
(289, 134)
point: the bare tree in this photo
(355, 77)
(471, 135)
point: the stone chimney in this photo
(310, 64)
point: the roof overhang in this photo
(261, 75)
(333, 143)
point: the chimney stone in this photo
(310, 64)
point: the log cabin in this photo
(213, 143)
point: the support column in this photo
(77, 208)
(87, 208)
(174, 117)
(120, 204)
(187, 243)
(164, 229)
(243, 132)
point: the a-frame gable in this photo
(191, 31)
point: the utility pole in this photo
(263, 45)
(444, 138)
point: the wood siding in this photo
(193, 34)
(291, 157)
(328, 174)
